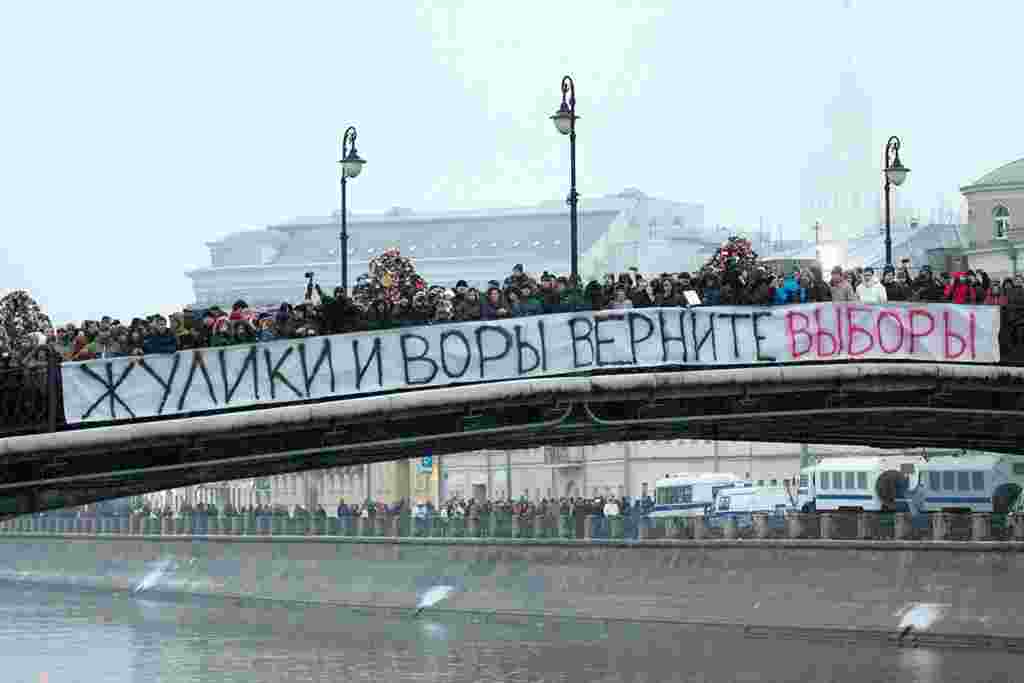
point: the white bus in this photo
(979, 482)
(744, 500)
(868, 484)
(691, 495)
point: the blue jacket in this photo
(160, 343)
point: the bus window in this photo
(851, 480)
(948, 481)
(824, 480)
(935, 481)
(837, 480)
(963, 481)
(803, 481)
(723, 502)
(978, 481)
(862, 480)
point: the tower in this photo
(839, 180)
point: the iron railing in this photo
(31, 401)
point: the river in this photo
(54, 634)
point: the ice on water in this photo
(921, 615)
(434, 595)
(155, 574)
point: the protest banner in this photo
(537, 346)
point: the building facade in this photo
(616, 232)
(616, 469)
(995, 214)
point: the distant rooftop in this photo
(1006, 176)
(608, 203)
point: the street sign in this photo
(426, 464)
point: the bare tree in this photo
(21, 319)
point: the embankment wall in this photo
(858, 585)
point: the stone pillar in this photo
(981, 526)
(760, 520)
(522, 528)
(363, 526)
(940, 526)
(1017, 526)
(566, 526)
(539, 526)
(867, 525)
(828, 524)
(588, 528)
(903, 526)
(396, 526)
(167, 526)
(730, 529)
(616, 527)
(700, 527)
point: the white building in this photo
(547, 472)
(615, 233)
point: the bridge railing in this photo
(31, 400)
(549, 527)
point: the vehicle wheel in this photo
(1004, 498)
(890, 486)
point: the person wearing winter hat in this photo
(461, 287)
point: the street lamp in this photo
(565, 122)
(350, 166)
(895, 174)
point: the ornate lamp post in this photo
(565, 122)
(350, 166)
(895, 174)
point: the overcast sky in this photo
(132, 133)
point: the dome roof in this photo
(1008, 174)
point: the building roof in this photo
(869, 250)
(1007, 176)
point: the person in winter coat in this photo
(960, 289)
(840, 288)
(871, 290)
(817, 290)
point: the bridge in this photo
(882, 404)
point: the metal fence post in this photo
(52, 375)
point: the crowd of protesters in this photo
(600, 509)
(519, 294)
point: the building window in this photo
(1001, 221)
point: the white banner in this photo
(483, 351)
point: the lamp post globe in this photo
(352, 164)
(563, 119)
(897, 173)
